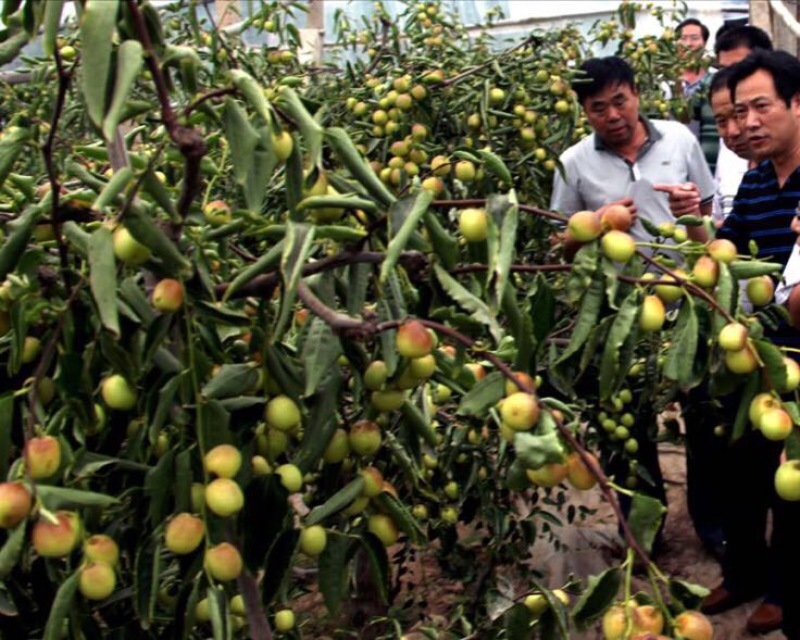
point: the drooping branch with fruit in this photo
(222, 383)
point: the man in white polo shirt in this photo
(646, 163)
(628, 154)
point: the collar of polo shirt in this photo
(653, 135)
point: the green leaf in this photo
(262, 164)
(725, 294)
(129, 63)
(231, 381)
(518, 622)
(610, 370)
(645, 519)
(55, 498)
(76, 237)
(689, 221)
(478, 309)
(11, 47)
(587, 319)
(218, 609)
(145, 230)
(378, 562)
(321, 349)
(299, 243)
(535, 451)
(103, 278)
(346, 201)
(517, 477)
(253, 93)
(160, 194)
(741, 269)
(242, 140)
(309, 128)
(7, 425)
(585, 271)
(146, 578)
(165, 397)
(115, 186)
(12, 550)
(214, 422)
(445, 246)
(269, 260)
(401, 516)
(61, 608)
(682, 354)
(333, 569)
(338, 501)
(11, 146)
(97, 28)
(772, 357)
(412, 209)
(421, 425)
(158, 487)
(321, 424)
(600, 593)
(15, 244)
(485, 394)
(501, 262)
(52, 23)
(688, 594)
(352, 159)
(495, 165)
(265, 510)
(278, 562)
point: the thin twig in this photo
(681, 281)
(215, 93)
(64, 79)
(478, 202)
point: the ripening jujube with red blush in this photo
(413, 340)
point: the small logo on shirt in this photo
(665, 163)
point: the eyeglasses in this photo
(690, 38)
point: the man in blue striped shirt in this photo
(765, 89)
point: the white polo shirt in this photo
(595, 175)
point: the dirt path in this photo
(594, 544)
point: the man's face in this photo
(613, 114)
(691, 37)
(770, 126)
(727, 124)
(729, 58)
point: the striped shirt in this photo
(763, 212)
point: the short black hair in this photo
(601, 73)
(693, 21)
(719, 81)
(742, 36)
(782, 66)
